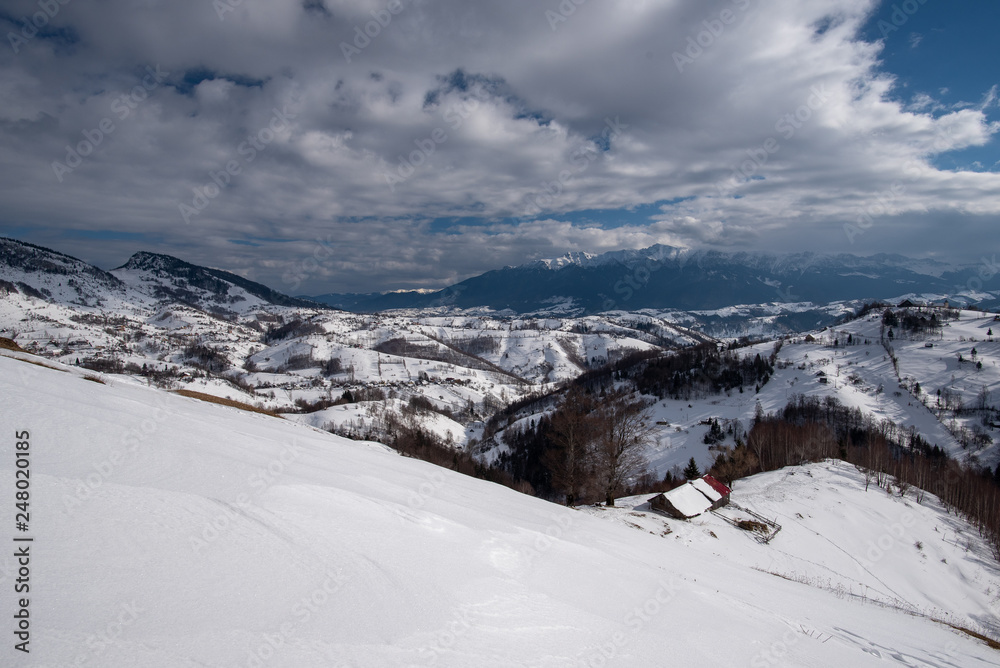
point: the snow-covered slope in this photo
(169, 532)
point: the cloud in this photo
(915, 39)
(430, 141)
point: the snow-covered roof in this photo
(688, 500)
(702, 486)
(716, 485)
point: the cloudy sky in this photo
(367, 145)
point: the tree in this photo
(714, 434)
(983, 399)
(736, 463)
(691, 471)
(332, 367)
(573, 430)
(623, 429)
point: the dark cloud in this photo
(257, 135)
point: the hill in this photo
(171, 532)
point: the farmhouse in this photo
(692, 498)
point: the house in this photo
(723, 491)
(692, 498)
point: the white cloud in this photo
(492, 110)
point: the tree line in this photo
(589, 448)
(893, 458)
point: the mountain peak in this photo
(146, 261)
(655, 253)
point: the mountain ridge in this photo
(668, 277)
(145, 277)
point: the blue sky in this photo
(948, 51)
(277, 140)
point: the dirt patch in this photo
(751, 525)
(10, 344)
(211, 398)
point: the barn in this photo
(723, 491)
(692, 498)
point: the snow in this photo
(688, 500)
(706, 489)
(171, 532)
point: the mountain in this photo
(47, 274)
(147, 279)
(167, 277)
(171, 532)
(663, 277)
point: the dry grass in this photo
(210, 398)
(94, 379)
(978, 636)
(35, 362)
(10, 344)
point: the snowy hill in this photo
(169, 532)
(47, 274)
(951, 404)
(166, 277)
(146, 280)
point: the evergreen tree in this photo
(691, 470)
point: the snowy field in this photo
(170, 532)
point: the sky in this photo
(323, 146)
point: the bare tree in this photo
(574, 427)
(623, 429)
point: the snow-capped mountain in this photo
(664, 277)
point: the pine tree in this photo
(691, 470)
